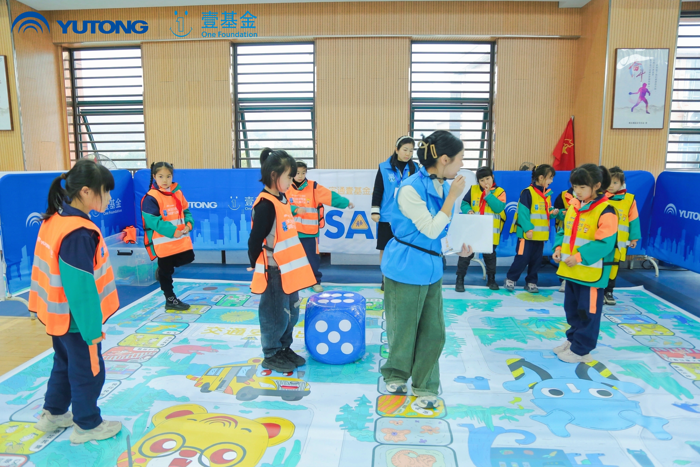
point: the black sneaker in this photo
(293, 357)
(172, 303)
(459, 284)
(492, 282)
(278, 363)
(609, 299)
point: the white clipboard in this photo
(472, 230)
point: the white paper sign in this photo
(472, 230)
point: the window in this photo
(274, 90)
(452, 89)
(684, 129)
(104, 96)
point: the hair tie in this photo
(428, 147)
(535, 168)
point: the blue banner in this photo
(220, 201)
(674, 233)
(20, 222)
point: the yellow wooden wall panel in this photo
(11, 157)
(289, 20)
(187, 103)
(639, 149)
(534, 99)
(39, 73)
(362, 100)
(589, 79)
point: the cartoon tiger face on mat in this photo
(187, 435)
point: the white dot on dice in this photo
(321, 326)
(349, 295)
(336, 301)
(323, 349)
(346, 348)
(349, 300)
(333, 337)
(345, 325)
(323, 301)
(335, 295)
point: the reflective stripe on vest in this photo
(288, 253)
(622, 207)
(46, 294)
(498, 219)
(169, 212)
(539, 217)
(587, 227)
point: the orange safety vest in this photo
(287, 251)
(172, 209)
(312, 198)
(46, 295)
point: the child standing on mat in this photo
(629, 230)
(486, 199)
(312, 197)
(562, 203)
(585, 249)
(167, 224)
(73, 294)
(413, 269)
(279, 261)
(531, 223)
(389, 177)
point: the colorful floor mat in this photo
(190, 390)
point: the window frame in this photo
(75, 110)
(460, 104)
(673, 165)
(241, 144)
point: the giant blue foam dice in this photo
(334, 327)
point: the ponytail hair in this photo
(273, 163)
(85, 173)
(590, 175)
(542, 170)
(435, 145)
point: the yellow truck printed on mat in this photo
(248, 380)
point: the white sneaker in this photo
(397, 388)
(427, 402)
(569, 357)
(561, 348)
(317, 288)
(103, 431)
(48, 422)
(562, 287)
(509, 285)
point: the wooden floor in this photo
(21, 339)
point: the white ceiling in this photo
(102, 4)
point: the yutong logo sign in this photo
(104, 27)
(31, 20)
(672, 210)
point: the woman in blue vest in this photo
(390, 174)
(413, 268)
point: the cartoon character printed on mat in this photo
(248, 380)
(187, 435)
(573, 394)
(23, 438)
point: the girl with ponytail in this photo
(73, 294)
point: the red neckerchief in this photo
(546, 204)
(482, 201)
(574, 228)
(178, 204)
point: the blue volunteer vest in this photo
(403, 263)
(392, 180)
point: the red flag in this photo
(564, 158)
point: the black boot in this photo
(459, 284)
(492, 282)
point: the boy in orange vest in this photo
(311, 196)
(167, 224)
